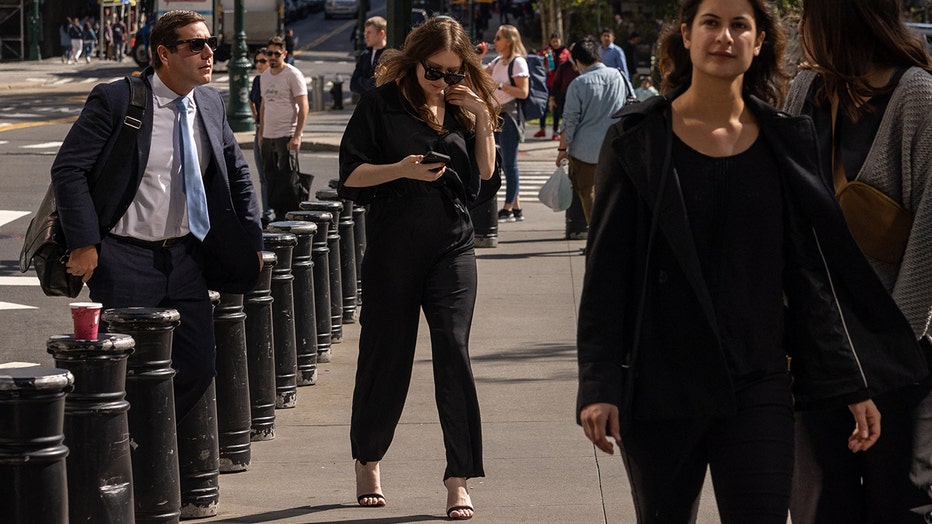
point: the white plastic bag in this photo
(556, 193)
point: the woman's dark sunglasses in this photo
(196, 45)
(432, 74)
(262, 61)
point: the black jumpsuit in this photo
(419, 255)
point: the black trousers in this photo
(129, 275)
(834, 485)
(282, 176)
(750, 456)
(419, 256)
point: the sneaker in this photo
(505, 215)
(540, 134)
(518, 214)
(556, 136)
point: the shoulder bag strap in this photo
(123, 146)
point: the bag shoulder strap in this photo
(123, 145)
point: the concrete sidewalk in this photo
(539, 465)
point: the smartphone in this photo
(433, 157)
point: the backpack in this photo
(535, 105)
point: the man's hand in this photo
(598, 420)
(866, 426)
(82, 262)
(295, 143)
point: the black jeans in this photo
(832, 484)
(750, 456)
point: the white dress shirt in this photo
(158, 211)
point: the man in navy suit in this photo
(138, 247)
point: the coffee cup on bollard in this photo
(86, 317)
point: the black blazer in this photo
(230, 259)
(847, 338)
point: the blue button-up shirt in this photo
(591, 99)
(614, 56)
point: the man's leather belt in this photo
(152, 244)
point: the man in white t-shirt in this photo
(284, 113)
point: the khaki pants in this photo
(582, 176)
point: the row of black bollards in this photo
(130, 459)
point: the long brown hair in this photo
(436, 34)
(843, 40)
(766, 78)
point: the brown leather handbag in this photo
(878, 223)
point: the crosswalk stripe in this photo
(30, 280)
(8, 216)
(43, 145)
(6, 306)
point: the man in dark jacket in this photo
(364, 75)
(180, 215)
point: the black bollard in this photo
(283, 335)
(485, 223)
(576, 226)
(100, 470)
(33, 477)
(153, 440)
(260, 353)
(333, 244)
(321, 265)
(233, 416)
(305, 322)
(347, 253)
(359, 233)
(199, 453)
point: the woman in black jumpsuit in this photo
(431, 96)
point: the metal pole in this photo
(239, 114)
(283, 335)
(260, 355)
(336, 280)
(232, 383)
(35, 28)
(154, 441)
(33, 481)
(321, 265)
(347, 253)
(100, 470)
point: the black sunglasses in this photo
(274, 53)
(431, 73)
(262, 61)
(196, 45)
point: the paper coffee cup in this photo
(86, 317)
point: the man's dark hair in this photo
(586, 51)
(165, 31)
(276, 40)
(606, 30)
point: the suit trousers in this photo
(832, 484)
(419, 256)
(130, 275)
(749, 454)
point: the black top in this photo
(382, 130)
(856, 137)
(363, 78)
(735, 210)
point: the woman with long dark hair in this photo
(866, 84)
(715, 251)
(431, 96)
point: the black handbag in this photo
(44, 244)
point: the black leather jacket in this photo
(647, 335)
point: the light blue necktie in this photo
(198, 220)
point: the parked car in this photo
(923, 29)
(348, 8)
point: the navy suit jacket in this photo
(229, 250)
